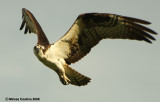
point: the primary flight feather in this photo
(87, 30)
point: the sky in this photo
(121, 70)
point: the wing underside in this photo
(32, 26)
(89, 29)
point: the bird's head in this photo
(38, 50)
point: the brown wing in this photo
(33, 27)
(90, 28)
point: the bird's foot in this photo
(64, 79)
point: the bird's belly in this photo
(49, 64)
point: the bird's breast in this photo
(47, 60)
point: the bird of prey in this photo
(86, 32)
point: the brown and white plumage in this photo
(85, 33)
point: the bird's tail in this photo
(75, 77)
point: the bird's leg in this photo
(61, 72)
(63, 78)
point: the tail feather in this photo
(75, 77)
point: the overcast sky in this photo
(121, 70)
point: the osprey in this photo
(86, 32)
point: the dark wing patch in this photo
(28, 22)
(32, 26)
(90, 28)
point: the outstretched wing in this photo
(90, 28)
(32, 26)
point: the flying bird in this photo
(86, 32)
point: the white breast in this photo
(58, 51)
(47, 58)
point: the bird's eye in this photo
(41, 48)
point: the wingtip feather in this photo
(137, 20)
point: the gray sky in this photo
(121, 70)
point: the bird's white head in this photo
(38, 50)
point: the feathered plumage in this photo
(85, 33)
